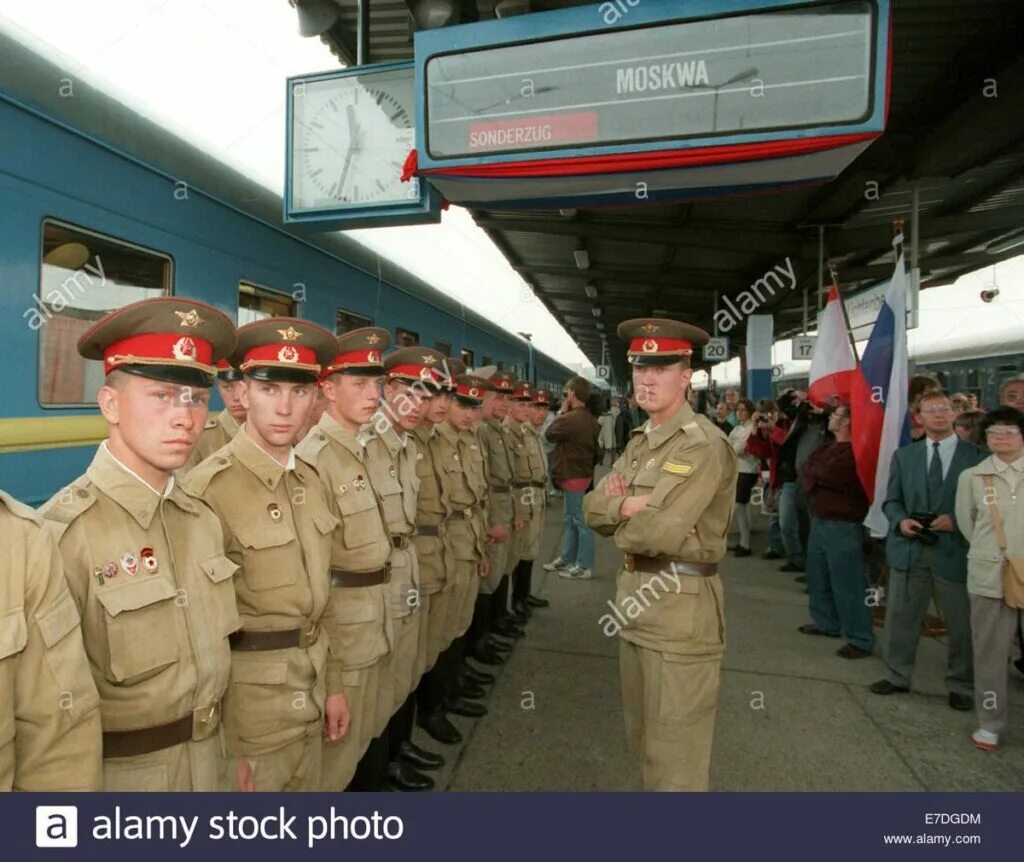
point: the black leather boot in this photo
(439, 728)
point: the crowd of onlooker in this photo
(956, 531)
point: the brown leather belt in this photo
(502, 489)
(669, 565)
(198, 725)
(430, 530)
(462, 514)
(401, 542)
(518, 485)
(249, 641)
(341, 578)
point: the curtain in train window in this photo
(406, 337)
(349, 320)
(84, 275)
(467, 357)
(259, 303)
(444, 346)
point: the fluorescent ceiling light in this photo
(582, 258)
(591, 291)
(596, 311)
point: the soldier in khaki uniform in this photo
(668, 502)
(361, 631)
(285, 691)
(144, 559)
(523, 601)
(221, 428)
(49, 715)
(391, 459)
(527, 497)
(490, 614)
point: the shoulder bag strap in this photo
(993, 511)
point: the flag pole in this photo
(834, 271)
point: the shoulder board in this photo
(700, 428)
(69, 502)
(197, 480)
(210, 424)
(19, 509)
(310, 446)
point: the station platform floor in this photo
(792, 716)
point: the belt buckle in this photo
(440, 531)
(467, 513)
(629, 563)
(205, 721)
(312, 634)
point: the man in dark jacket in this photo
(836, 577)
(574, 434)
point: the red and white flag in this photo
(833, 362)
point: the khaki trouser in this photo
(189, 766)
(341, 757)
(466, 585)
(993, 626)
(439, 623)
(395, 670)
(497, 554)
(423, 647)
(669, 700)
(296, 767)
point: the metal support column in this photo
(363, 33)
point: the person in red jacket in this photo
(836, 574)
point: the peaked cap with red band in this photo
(416, 364)
(226, 372)
(542, 396)
(283, 348)
(504, 382)
(165, 338)
(523, 391)
(359, 352)
(470, 388)
(660, 341)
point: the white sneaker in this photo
(986, 740)
(576, 573)
(556, 564)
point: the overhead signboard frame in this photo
(533, 95)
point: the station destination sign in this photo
(763, 71)
(701, 95)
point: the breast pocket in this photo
(360, 518)
(142, 626)
(219, 569)
(13, 637)
(270, 555)
(59, 625)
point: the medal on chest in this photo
(130, 563)
(275, 512)
(149, 563)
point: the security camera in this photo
(989, 295)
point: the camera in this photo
(989, 295)
(925, 535)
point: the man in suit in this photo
(923, 479)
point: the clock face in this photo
(350, 137)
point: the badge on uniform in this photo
(419, 456)
(109, 570)
(130, 563)
(456, 456)
(392, 472)
(98, 574)
(633, 464)
(360, 483)
(472, 446)
(275, 512)
(149, 562)
(343, 488)
(650, 463)
(677, 468)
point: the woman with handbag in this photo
(990, 514)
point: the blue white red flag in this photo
(880, 423)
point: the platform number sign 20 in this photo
(717, 349)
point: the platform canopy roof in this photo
(955, 132)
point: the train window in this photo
(467, 357)
(501, 365)
(259, 303)
(84, 275)
(348, 320)
(487, 361)
(406, 337)
(973, 378)
(444, 346)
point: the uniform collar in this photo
(394, 438)
(333, 429)
(511, 423)
(130, 491)
(425, 432)
(656, 436)
(449, 431)
(259, 462)
(228, 422)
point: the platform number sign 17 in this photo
(803, 346)
(717, 349)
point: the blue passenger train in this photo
(88, 225)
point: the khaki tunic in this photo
(672, 626)
(49, 708)
(391, 460)
(498, 442)
(157, 639)
(217, 433)
(277, 527)
(534, 529)
(360, 633)
(433, 508)
(525, 505)
(462, 467)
